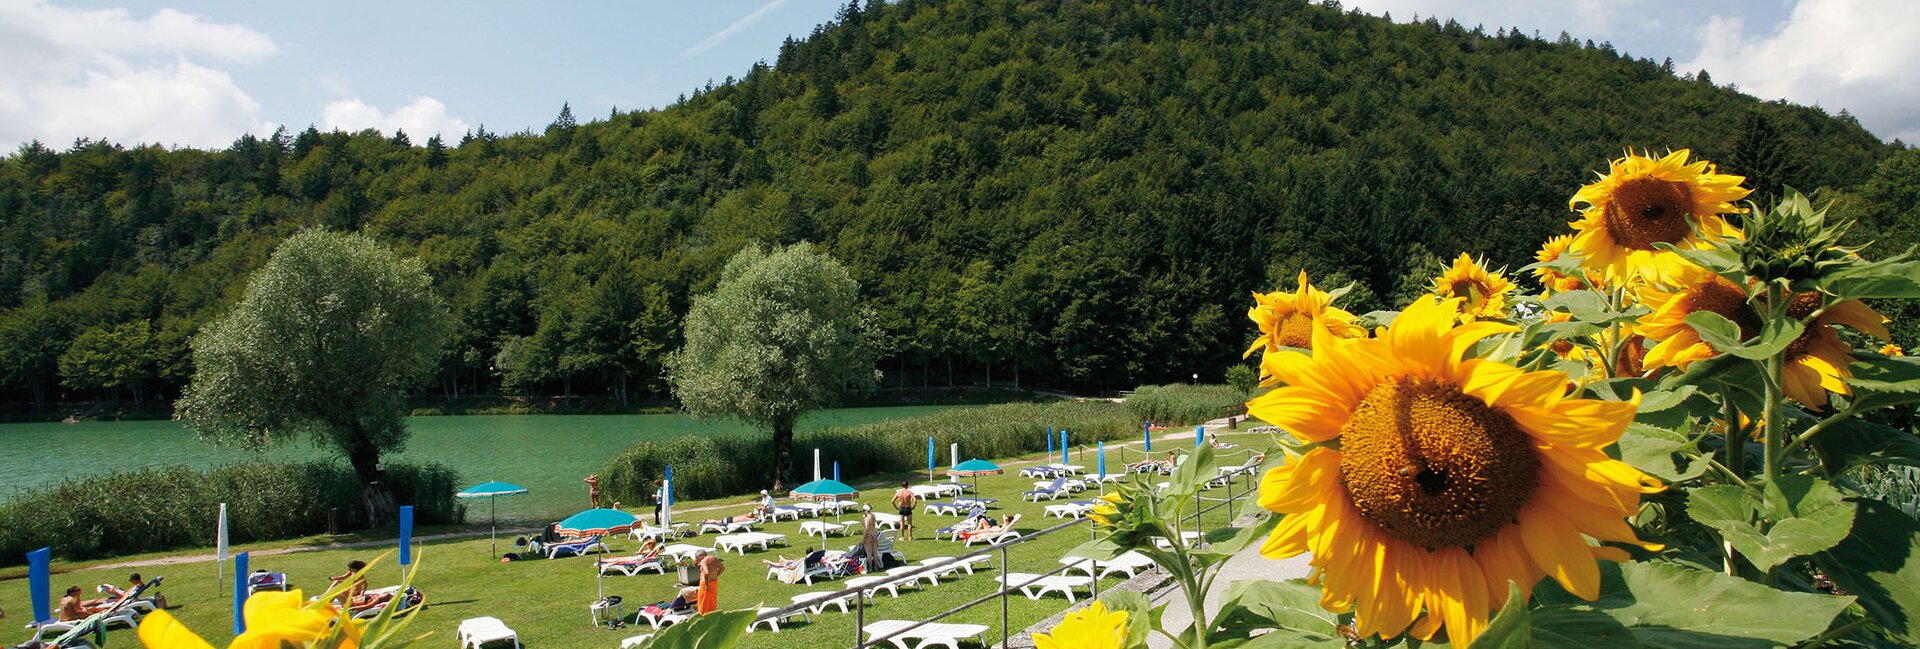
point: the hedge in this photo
(166, 508)
(713, 467)
(1179, 404)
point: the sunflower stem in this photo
(1736, 436)
(1802, 439)
(1776, 307)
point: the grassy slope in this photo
(546, 601)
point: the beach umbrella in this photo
(597, 522)
(489, 491)
(832, 490)
(1199, 436)
(836, 470)
(816, 464)
(1149, 436)
(666, 500)
(974, 468)
(930, 458)
(1103, 466)
(1049, 443)
(1063, 446)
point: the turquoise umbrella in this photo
(825, 489)
(491, 491)
(597, 522)
(974, 468)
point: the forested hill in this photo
(1083, 192)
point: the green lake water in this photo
(548, 454)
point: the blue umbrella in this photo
(1149, 436)
(1049, 443)
(1199, 436)
(975, 468)
(491, 491)
(836, 470)
(930, 456)
(597, 522)
(1063, 446)
(1103, 464)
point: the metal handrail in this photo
(1003, 593)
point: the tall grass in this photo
(711, 467)
(1179, 404)
(165, 508)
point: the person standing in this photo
(903, 501)
(870, 539)
(711, 566)
(593, 490)
(659, 501)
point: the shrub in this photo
(1179, 404)
(164, 508)
(711, 467)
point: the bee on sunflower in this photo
(1483, 293)
(1434, 481)
(1642, 201)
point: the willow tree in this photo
(326, 342)
(782, 334)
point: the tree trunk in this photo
(949, 371)
(1016, 376)
(39, 395)
(989, 375)
(375, 493)
(782, 454)
(623, 389)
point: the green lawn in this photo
(546, 601)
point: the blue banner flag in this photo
(406, 535)
(239, 593)
(40, 583)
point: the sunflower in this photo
(1891, 349)
(1484, 292)
(1093, 627)
(1642, 201)
(1287, 319)
(1553, 281)
(1435, 481)
(1816, 362)
(274, 620)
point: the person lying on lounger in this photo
(748, 517)
(356, 596)
(681, 602)
(788, 564)
(989, 530)
(649, 550)
(72, 608)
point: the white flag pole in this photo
(816, 464)
(955, 450)
(220, 547)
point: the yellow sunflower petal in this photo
(160, 630)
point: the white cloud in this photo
(1853, 54)
(68, 73)
(724, 34)
(421, 118)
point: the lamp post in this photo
(1196, 378)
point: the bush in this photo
(1179, 404)
(165, 508)
(712, 467)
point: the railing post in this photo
(859, 618)
(1005, 631)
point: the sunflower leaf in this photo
(1880, 563)
(1797, 516)
(1887, 374)
(1724, 335)
(711, 631)
(1290, 607)
(1652, 449)
(1511, 628)
(1665, 605)
(1562, 627)
(1884, 279)
(1854, 442)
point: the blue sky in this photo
(200, 73)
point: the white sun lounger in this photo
(1105, 477)
(728, 527)
(631, 568)
(949, 566)
(874, 581)
(1128, 564)
(936, 634)
(1035, 586)
(635, 641)
(664, 619)
(887, 521)
(1190, 537)
(1064, 510)
(818, 602)
(822, 528)
(917, 574)
(1074, 469)
(482, 630)
(738, 542)
(682, 550)
(807, 508)
(774, 622)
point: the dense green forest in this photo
(1077, 194)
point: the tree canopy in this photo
(782, 334)
(330, 335)
(1075, 194)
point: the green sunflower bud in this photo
(1793, 242)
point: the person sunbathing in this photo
(72, 608)
(681, 603)
(988, 529)
(649, 550)
(748, 517)
(356, 596)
